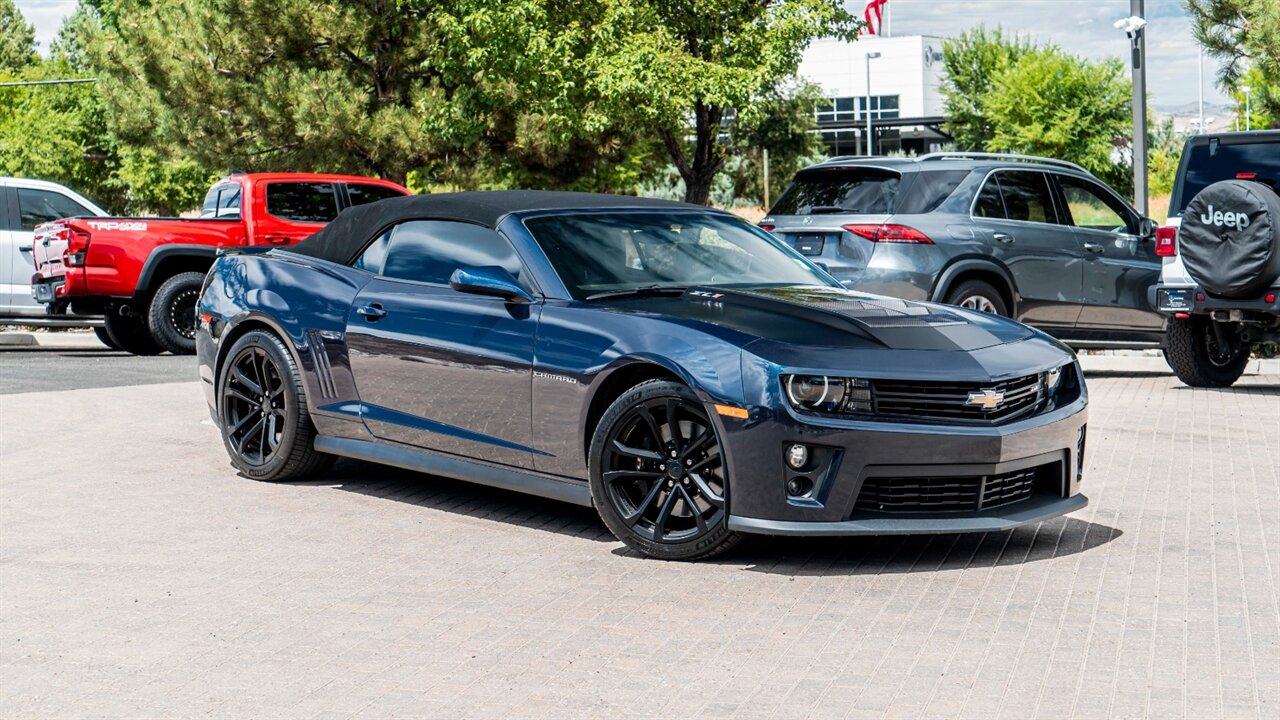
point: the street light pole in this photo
(871, 143)
(1200, 88)
(1134, 26)
(1248, 115)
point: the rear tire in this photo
(1192, 351)
(131, 334)
(656, 450)
(173, 313)
(104, 337)
(262, 412)
(978, 295)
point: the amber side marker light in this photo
(734, 412)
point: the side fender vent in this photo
(320, 361)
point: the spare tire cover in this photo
(1230, 238)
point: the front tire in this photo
(104, 337)
(262, 412)
(658, 476)
(1198, 359)
(131, 334)
(172, 314)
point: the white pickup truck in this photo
(1220, 278)
(24, 204)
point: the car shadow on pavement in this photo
(464, 498)
(895, 554)
(1243, 388)
(778, 555)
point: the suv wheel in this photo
(978, 295)
(130, 334)
(173, 313)
(1199, 359)
(658, 477)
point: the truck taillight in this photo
(1166, 241)
(889, 233)
(77, 246)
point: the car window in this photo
(1024, 196)
(1089, 206)
(42, 206)
(929, 190)
(858, 191)
(600, 253)
(1212, 161)
(371, 259)
(303, 202)
(989, 204)
(361, 194)
(430, 250)
(222, 201)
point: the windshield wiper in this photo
(648, 291)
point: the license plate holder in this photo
(810, 245)
(1173, 300)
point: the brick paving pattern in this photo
(140, 577)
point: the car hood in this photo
(835, 318)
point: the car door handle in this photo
(1094, 248)
(277, 239)
(24, 248)
(371, 312)
(1005, 238)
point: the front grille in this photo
(958, 400)
(967, 493)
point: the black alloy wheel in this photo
(660, 480)
(172, 313)
(263, 414)
(253, 406)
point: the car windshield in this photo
(1214, 161)
(598, 254)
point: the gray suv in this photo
(1039, 240)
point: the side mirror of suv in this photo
(1147, 228)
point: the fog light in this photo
(797, 456)
(798, 486)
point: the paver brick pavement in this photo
(141, 577)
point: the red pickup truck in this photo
(144, 274)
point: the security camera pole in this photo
(1133, 26)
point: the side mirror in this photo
(490, 281)
(1147, 228)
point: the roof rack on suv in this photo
(999, 156)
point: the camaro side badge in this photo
(557, 378)
(985, 399)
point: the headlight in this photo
(825, 393)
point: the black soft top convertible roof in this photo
(344, 238)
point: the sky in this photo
(1079, 26)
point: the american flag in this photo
(872, 13)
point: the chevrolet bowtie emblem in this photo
(985, 399)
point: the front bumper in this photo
(875, 455)
(1031, 511)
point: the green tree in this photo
(1057, 105)
(1263, 105)
(1243, 34)
(1162, 159)
(782, 122)
(267, 84)
(972, 60)
(17, 38)
(678, 68)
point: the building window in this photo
(854, 109)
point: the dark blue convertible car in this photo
(675, 367)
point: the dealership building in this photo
(903, 99)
